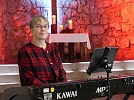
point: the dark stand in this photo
(127, 96)
(108, 68)
(103, 58)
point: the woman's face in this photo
(40, 30)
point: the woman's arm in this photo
(27, 76)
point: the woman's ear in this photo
(32, 30)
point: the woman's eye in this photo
(45, 26)
(41, 26)
(38, 26)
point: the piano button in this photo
(132, 81)
(79, 86)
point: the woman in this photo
(39, 62)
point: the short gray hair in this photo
(35, 19)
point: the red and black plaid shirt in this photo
(38, 66)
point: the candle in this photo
(61, 28)
(70, 24)
(53, 19)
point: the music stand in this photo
(102, 60)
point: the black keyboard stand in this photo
(127, 96)
(110, 97)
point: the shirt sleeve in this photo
(62, 72)
(26, 71)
